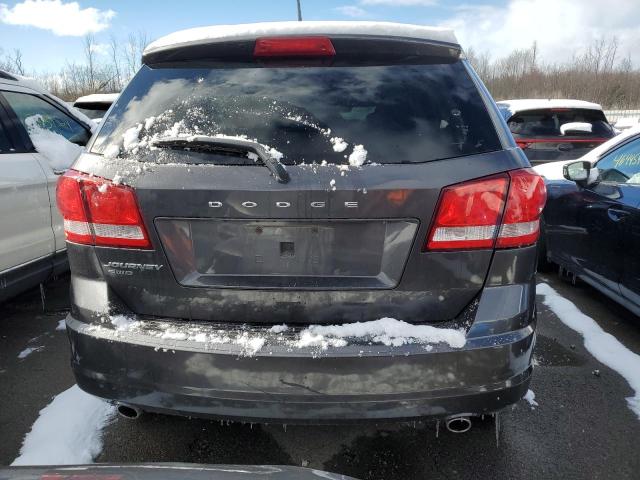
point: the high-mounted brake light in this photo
(293, 47)
(98, 212)
(522, 143)
(502, 210)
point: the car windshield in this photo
(384, 114)
(549, 123)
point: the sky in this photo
(50, 32)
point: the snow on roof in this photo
(98, 98)
(250, 31)
(535, 104)
(33, 84)
(16, 79)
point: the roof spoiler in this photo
(349, 50)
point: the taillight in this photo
(523, 144)
(293, 47)
(521, 219)
(98, 212)
(501, 210)
(468, 214)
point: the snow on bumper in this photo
(293, 383)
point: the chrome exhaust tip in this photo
(458, 424)
(129, 411)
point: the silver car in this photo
(40, 136)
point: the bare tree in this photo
(134, 47)
(595, 74)
(115, 62)
(89, 55)
(12, 62)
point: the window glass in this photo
(396, 113)
(622, 165)
(5, 144)
(37, 114)
(550, 122)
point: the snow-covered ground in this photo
(603, 346)
(530, 397)
(68, 430)
(28, 351)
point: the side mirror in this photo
(577, 172)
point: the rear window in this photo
(93, 111)
(386, 114)
(550, 122)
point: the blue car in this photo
(591, 221)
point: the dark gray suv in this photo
(303, 222)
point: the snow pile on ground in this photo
(530, 397)
(388, 331)
(68, 430)
(602, 345)
(59, 151)
(28, 351)
(358, 156)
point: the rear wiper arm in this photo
(230, 146)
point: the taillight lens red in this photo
(468, 214)
(526, 200)
(502, 210)
(523, 144)
(98, 212)
(294, 47)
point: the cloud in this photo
(352, 11)
(63, 19)
(560, 28)
(400, 3)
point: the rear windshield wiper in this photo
(227, 146)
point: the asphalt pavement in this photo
(582, 427)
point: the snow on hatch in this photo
(68, 431)
(602, 345)
(358, 156)
(339, 145)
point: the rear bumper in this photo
(302, 385)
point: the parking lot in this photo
(581, 428)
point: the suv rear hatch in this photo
(369, 133)
(553, 134)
